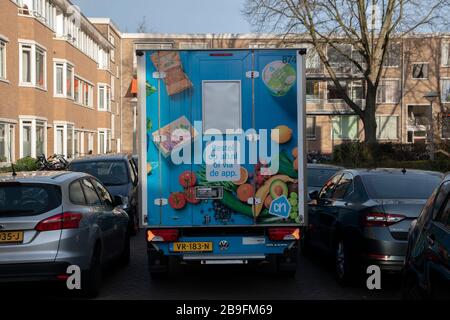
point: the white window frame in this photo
(333, 119)
(315, 128)
(33, 123)
(106, 140)
(398, 92)
(33, 48)
(397, 117)
(419, 63)
(65, 64)
(443, 100)
(3, 74)
(445, 54)
(65, 126)
(106, 102)
(81, 97)
(9, 140)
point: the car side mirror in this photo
(118, 201)
(314, 195)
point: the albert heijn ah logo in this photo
(280, 207)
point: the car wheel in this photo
(410, 287)
(305, 245)
(124, 258)
(343, 265)
(92, 279)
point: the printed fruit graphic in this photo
(177, 200)
(268, 201)
(279, 77)
(263, 191)
(292, 188)
(295, 152)
(278, 188)
(283, 135)
(296, 164)
(187, 179)
(189, 193)
(245, 191)
(244, 177)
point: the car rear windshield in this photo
(318, 176)
(110, 173)
(25, 199)
(395, 186)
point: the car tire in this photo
(124, 259)
(133, 224)
(410, 287)
(91, 281)
(343, 265)
(305, 246)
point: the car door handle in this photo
(431, 239)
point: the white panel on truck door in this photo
(222, 107)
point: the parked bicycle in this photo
(54, 162)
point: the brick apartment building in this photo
(59, 81)
(67, 87)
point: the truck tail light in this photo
(380, 219)
(66, 220)
(162, 235)
(278, 234)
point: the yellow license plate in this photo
(192, 246)
(11, 236)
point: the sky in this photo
(171, 16)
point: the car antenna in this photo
(404, 170)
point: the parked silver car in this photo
(51, 220)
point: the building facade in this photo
(59, 82)
(413, 67)
(67, 83)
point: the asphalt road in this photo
(314, 280)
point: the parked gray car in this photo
(362, 217)
(51, 220)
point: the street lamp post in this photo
(431, 97)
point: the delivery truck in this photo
(222, 156)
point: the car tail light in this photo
(66, 220)
(380, 219)
(162, 235)
(278, 234)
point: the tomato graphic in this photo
(177, 200)
(190, 195)
(187, 179)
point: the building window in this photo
(103, 60)
(33, 65)
(392, 56)
(313, 63)
(64, 79)
(261, 45)
(312, 90)
(354, 90)
(33, 137)
(338, 58)
(193, 45)
(420, 71)
(90, 143)
(104, 97)
(112, 87)
(2, 60)
(345, 127)
(388, 91)
(445, 126)
(79, 143)
(387, 127)
(104, 141)
(445, 90)
(64, 139)
(6, 142)
(310, 127)
(83, 93)
(445, 54)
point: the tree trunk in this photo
(369, 118)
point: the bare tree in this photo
(142, 25)
(366, 26)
